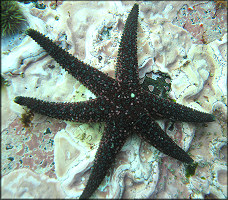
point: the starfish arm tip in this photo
(17, 99)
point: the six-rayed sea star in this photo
(121, 103)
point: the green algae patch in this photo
(190, 169)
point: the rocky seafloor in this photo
(43, 157)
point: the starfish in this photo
(121, 103)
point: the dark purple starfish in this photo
(122, 104)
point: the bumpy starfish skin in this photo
(122, 104)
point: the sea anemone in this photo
(12, 17)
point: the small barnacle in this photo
(53, 6)
(92, 146)
(11, 158)
(40, 6)
(186, 63)
(104, 32)
(51, 66)
(4, 82)
(56, 17)
(9, 146)
(48, 131)
(211, 74)
(198, 101)
(99, 58)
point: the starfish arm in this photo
(86, 111)
(174, 111)
(96, 81)
(127, 63)
(111, 143)
(151, 132)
